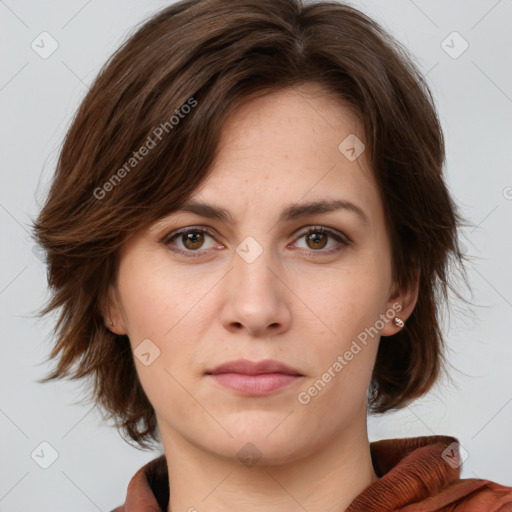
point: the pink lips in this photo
(254, 378)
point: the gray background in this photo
(38, 98)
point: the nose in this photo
(256, 298)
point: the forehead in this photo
(282, 119)
(290, 146)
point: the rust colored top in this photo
(417, 474)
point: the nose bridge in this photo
(255, 300)
(254, 265)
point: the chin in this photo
(254, 446)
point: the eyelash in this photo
(343, 239)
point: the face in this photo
(196, 291)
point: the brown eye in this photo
(193, 239)
(191, 242)
(321, 241)
(316, 240)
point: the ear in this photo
(402, 303)
(112, 312)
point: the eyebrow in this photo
(292, 212)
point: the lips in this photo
(246, 367)
(254, 378)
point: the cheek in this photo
(345, 351)
(157, 297)
(170, 309)
(345, 299)
(347, 302)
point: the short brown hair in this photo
(211, 55)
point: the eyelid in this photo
(325, 229)
(169, 236)
(343, 241)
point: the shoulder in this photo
(468, 495)
(423, 474)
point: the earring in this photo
(399, 322)
(111, 323)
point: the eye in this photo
(317, 238)
(189, 241)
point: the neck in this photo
(327, 480)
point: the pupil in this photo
(193, 238)
(316, 238)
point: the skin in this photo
(294, 303)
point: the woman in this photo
(249, 238)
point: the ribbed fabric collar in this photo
(418, 474)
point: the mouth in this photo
(255, 378)
(244, 366)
